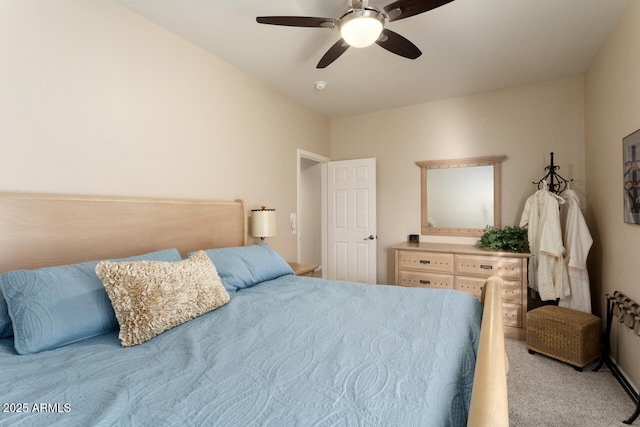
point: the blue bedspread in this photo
(293, 351)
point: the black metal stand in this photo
(606, 358)
(554, 181)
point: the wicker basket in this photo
(564, 334)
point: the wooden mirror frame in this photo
(495, 161)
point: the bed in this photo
(280, 350)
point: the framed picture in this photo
(631, 177)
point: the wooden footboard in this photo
(489, 400)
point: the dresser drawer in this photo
(511, 290)
(470, 285)
(512, 315)
(511, 307)
(427, 261)
(425, 280)
(485, 266)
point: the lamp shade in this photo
(263, 222)
(361, 28)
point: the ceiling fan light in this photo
(361, 28)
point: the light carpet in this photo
(544, 392)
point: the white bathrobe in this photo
(578, 241)
(547, 272)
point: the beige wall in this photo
(310, 228)
(612, 88)
(96, 100)
(526, 123)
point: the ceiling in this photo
(468, 46)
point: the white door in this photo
(351, 220)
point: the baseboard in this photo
(624, 380)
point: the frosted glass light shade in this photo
(263, 222)
(361, 28)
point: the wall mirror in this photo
(460, 197)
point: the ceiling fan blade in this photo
(401, 9)
(397, 44)
(298, 21)
(333, 53)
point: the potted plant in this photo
(507, 239)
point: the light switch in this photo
(293, 219)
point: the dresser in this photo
(465, 268)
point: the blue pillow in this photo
(244, 266)
(55, 306)
(5, 321)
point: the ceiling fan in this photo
(362, 25)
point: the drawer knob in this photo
(425, 282)
(425, 261)
(486, 267)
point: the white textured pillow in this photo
(150, 297)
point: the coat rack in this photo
(556, 183)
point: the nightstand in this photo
(303, 269)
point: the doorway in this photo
(310, 205)
(338, 234)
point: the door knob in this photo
(371, 237)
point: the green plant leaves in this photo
(508, 239)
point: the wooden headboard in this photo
(45, 230)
